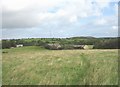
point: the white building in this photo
(19, 45)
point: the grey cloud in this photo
(19, 19)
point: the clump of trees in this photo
(107, 44)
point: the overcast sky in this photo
(59, 18)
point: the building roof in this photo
(78, 45)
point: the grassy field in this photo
(0, 67)
(37, 66)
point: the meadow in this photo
(34, 65)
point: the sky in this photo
(59, 18)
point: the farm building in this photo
(53, 46)
(83, 46)
(78, 46)
(12, 47)
(88, 46)
(19, 45)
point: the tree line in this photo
(99, 43)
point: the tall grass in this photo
(37, 66)
(0, 67)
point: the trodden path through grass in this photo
(37, 66)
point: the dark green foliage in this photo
(106, 44)
(6, 44)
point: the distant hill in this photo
(82, 37)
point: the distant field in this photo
(38, 66)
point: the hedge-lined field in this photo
(37, 66)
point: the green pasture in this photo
(34, 65)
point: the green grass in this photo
(38, 66)
(0, 67)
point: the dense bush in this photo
(106, 44)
